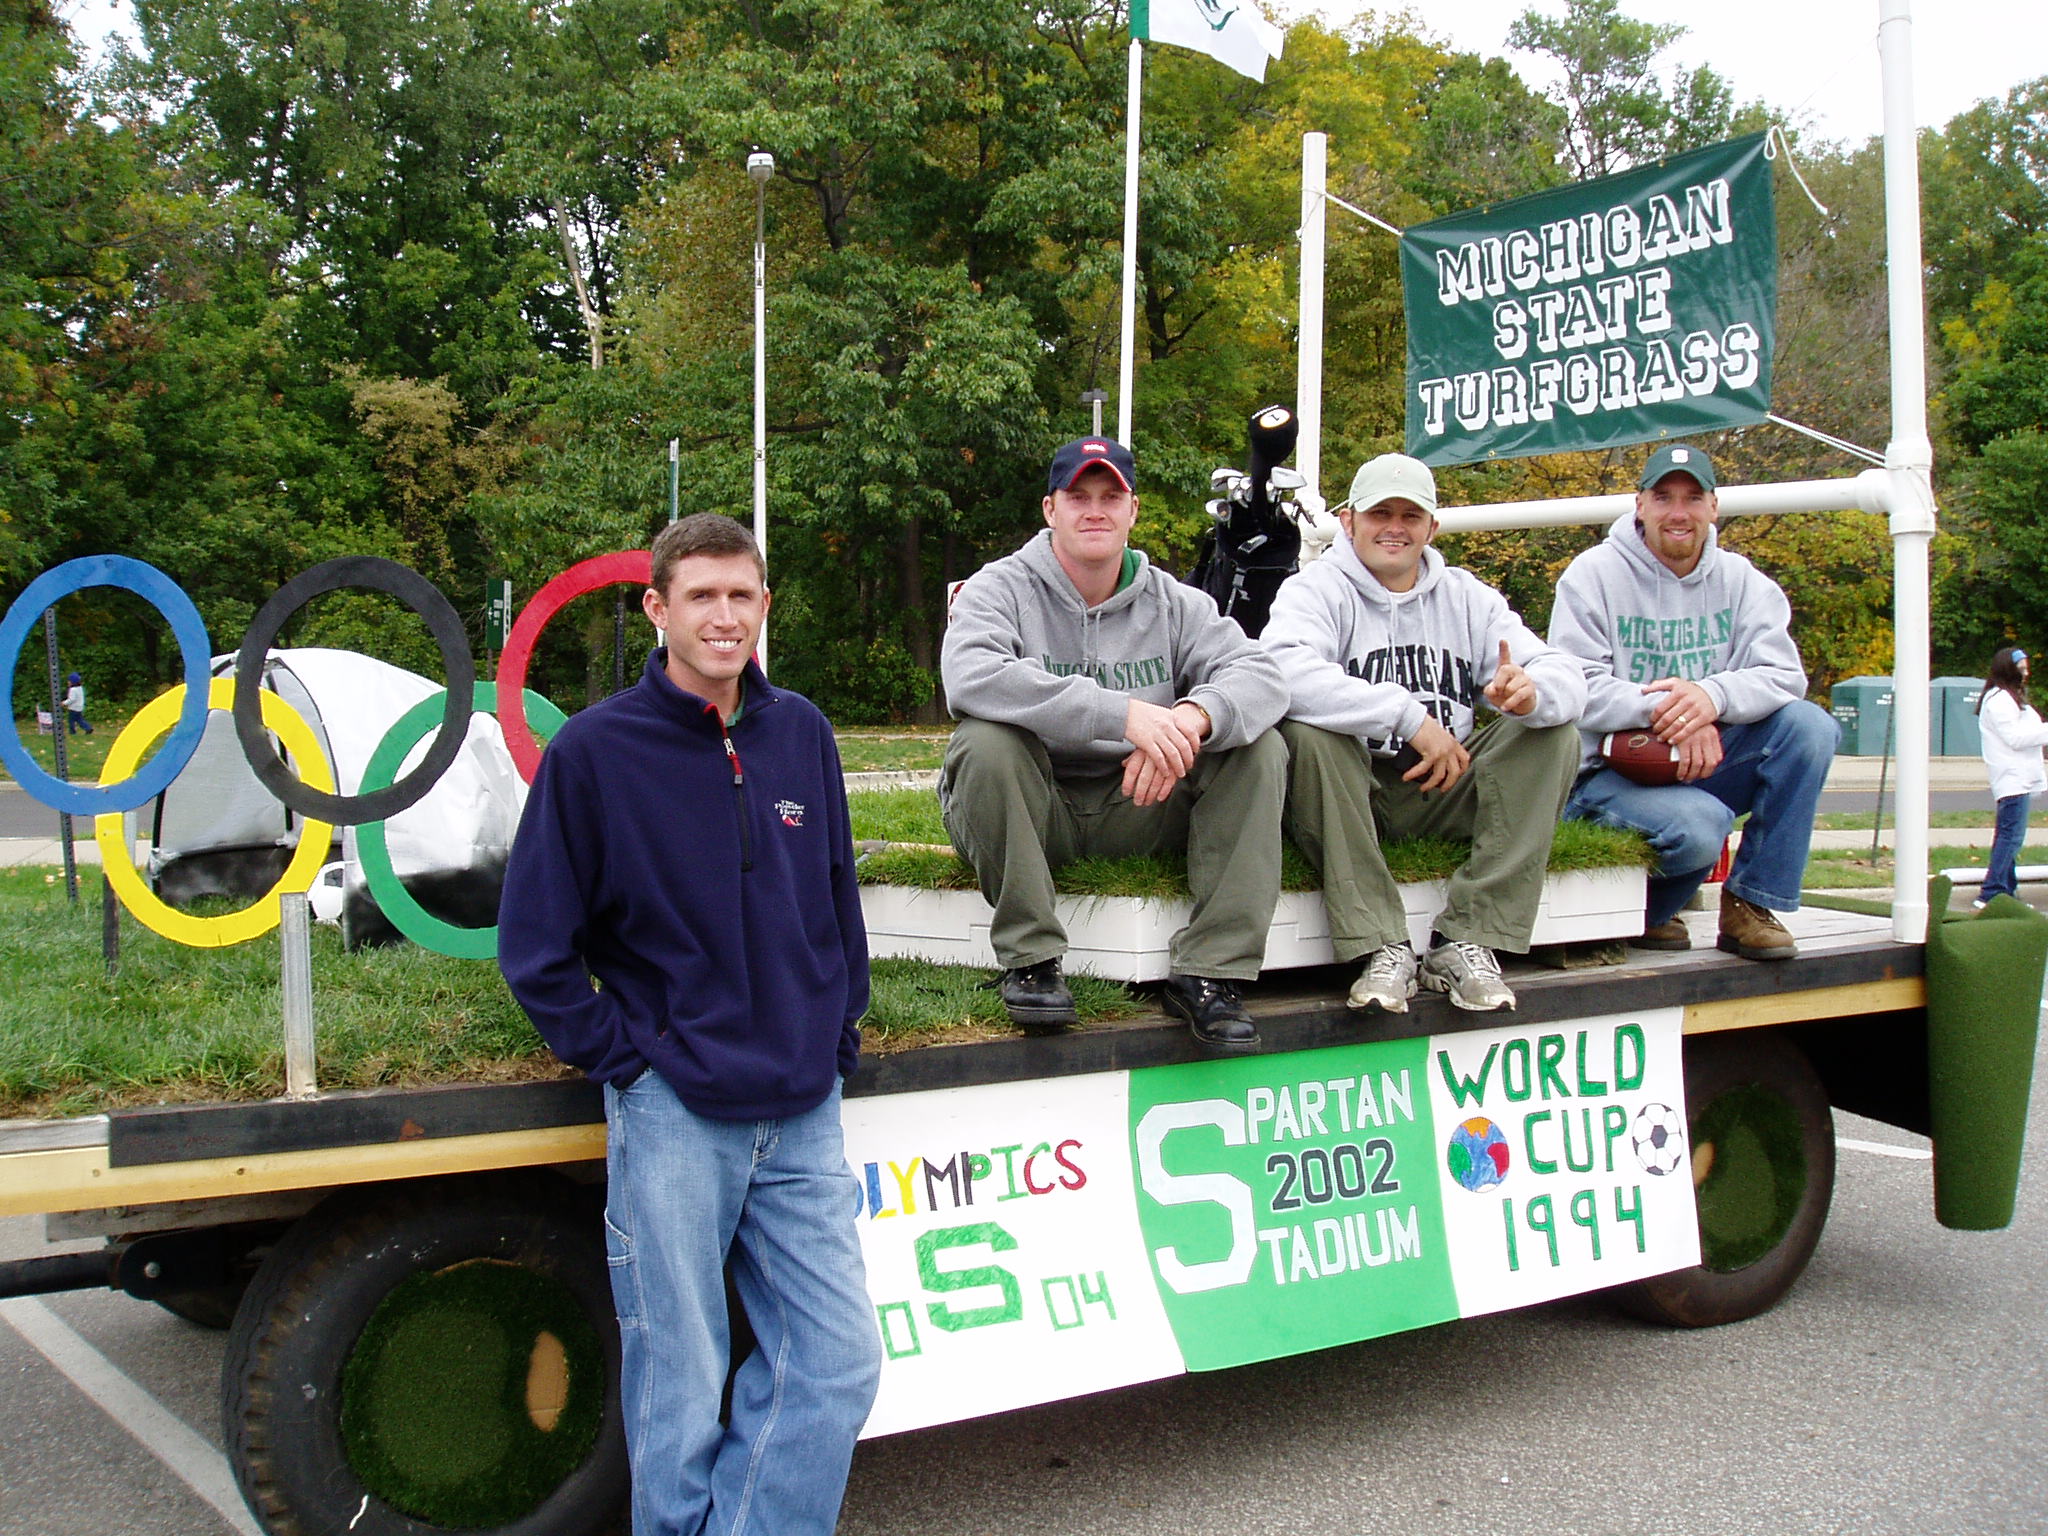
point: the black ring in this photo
(372, 574)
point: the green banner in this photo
(1291, 1202)
(1623, 310)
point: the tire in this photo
(1763, 1149)
(433, 1357)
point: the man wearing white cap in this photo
(1691, 642)
(1387, 651)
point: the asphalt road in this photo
(1899, 1389)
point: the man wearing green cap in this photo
(1691, 642)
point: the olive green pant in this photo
(1015, 822)
(1342, 801)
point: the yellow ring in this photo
(117, 859)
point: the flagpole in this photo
(1130, 296)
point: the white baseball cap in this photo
(1388, 476)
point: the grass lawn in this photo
(83, 755)
(1852, 869)
(1859, 821)
(865, 751)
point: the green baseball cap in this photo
(1678, 459)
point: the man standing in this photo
(1106, 710)
(1386, 651)
(1693, 643)
(686, 849)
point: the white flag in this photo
(1229, 31)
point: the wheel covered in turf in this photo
(1762, 1142)
(440, 1357)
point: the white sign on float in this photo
(1003, 1249)
(1568, 1166)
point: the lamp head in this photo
(760, 166)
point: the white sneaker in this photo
(1469, 974)
(1387, 981)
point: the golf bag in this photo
(1255, 542)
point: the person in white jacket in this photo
(1691, 642)
(2013, 736)
(1387, 652)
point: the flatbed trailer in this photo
(1042, 1216)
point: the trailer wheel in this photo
(432, 1358)
(1763, 1164)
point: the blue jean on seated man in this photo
(1773, 769)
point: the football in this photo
(1640, 757)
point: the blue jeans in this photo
(2009, 833)
(1772, 768)
(684, 1191)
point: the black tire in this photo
(1763, 1147)
(381, 1375)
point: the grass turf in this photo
(911, 816)
(182, 1025)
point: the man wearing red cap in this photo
(1107, 710)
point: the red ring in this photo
(632, 566)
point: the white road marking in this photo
(162, 1433)
(1883, 1149)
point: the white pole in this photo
(1130, 306)
(1909, 465)
(760, 167)
(1308, 387)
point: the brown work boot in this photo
(1752, 931)
(1670, 934)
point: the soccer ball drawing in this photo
(1658, 1137)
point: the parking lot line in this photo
(162, 1433)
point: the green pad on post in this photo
(1983, 1012)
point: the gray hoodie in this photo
(1367, 662)
(1022, 648)
(1629, 621)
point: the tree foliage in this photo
(442, 281)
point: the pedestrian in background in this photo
(2013, 736)
(74, 705)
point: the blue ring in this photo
(169, 599)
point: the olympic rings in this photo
(373, 850)
(443, 622)
(110, 831)
(635, 566)
(154, 587)
(256, 710)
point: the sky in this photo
(1816, 59)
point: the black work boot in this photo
(1036, 997)
(1216, 1015)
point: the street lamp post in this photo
(760, 166)
(1095, 398)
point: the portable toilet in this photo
(1955, 708)
(1862, 706)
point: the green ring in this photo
(374, 853)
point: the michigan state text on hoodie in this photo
(1365, 661)
(1023, 649)
(1630, 621)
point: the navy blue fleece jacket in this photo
(711, 896)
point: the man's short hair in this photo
(702, 533)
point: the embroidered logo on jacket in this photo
(791, 812)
